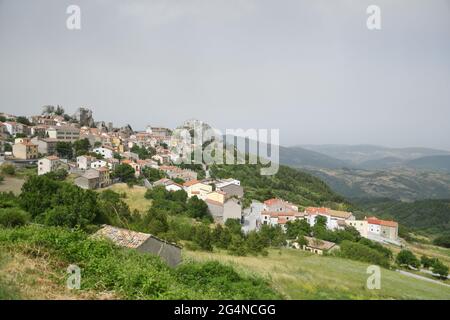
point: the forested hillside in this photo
(290, 184)
(431, 216)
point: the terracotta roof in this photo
(190, 183)
(53, 158)
(319, 244)
(282, 220)
(217, 203)
(386, 223)
(272, 201)
(328, 211)
(274, 214)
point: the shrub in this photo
(407, 258)
(8, 169)
(203, 238)
(443, 241)
(440, 269)
(361, 252)
(13, 217)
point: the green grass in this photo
(8, 290)
(134, 196)
(126, 273)
(301, 275)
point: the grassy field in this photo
(134, 196)
(11, 183)
(429, 250)
(301, 275)
(22, 277)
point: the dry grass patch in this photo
(35, 278)
(134, 196)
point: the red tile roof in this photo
(386, 223)
(190, 183)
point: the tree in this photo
(113, 210)
(158, 192)
(426, 261)
(48, 110)
(237, 246)
(124, 172)
(7, 147)
(203, 238)
(37, 193)
(221, 236)
(296, 228)
(253, 243)
(272, 236)
(59, 174)
(142, 152)
(155, 221)
(72, 206)
(59, 110)
(23, 120)
(196, 208)
(8, 169)
(81, 147)
(407, 258)
(440, 269)
(302, 241)
(152, 174)
(13, 217)
(234, 225)
(64, 149)
(57, 202)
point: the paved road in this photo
(413, 275)
(430, 272)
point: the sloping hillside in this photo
(290, 184)
(432, 216)
(399, 184)
(301, 275)
(440, 162)
(358, 154)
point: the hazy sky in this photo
(310, 68)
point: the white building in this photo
(48, 164)
(335, 218)
(84, 162)
(63, 133)
(106, 152)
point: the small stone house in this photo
(316, 246)
(142, 242)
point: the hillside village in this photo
(96, 156)
(36, 141)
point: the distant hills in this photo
(369, 171)
(371, 156)
(439, 162)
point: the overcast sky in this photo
(310, 68)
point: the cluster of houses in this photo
(279, 212)
(112, 146)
